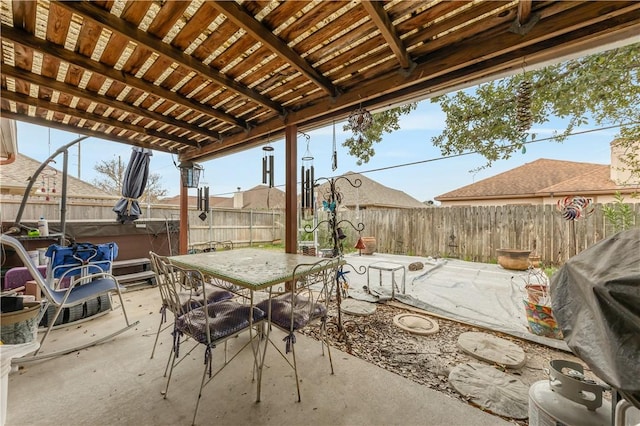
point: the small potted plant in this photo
(537, 304)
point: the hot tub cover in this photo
(596, 302)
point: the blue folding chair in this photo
(75, 275)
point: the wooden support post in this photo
(291, 190)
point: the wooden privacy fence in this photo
(243, 227)
(470, 233)
(474, 233)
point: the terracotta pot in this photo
(513, 259)
(371, 245)
(534, 261)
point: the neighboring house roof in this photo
(539, 178)
(263, 197)
(14, 178)
(260, 197)
(369, 194)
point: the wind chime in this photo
(360, 245)
(48, 183)
(360, 121)
(307, 181)
(334, 156)
(203, 202)
(267, 165)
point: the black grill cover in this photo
(596, 302)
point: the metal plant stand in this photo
(331, 200)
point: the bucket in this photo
(42, 259)
(33, 254)
(20, 326)
(7, 353)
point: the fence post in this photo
(250, 228)
(210, 224)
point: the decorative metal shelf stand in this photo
(331, 200)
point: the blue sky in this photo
(410, 144)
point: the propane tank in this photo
(43, 227)
(567, 399)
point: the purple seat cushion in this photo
(17, 277)
(303, 313)
(191, 300)
(226, 318)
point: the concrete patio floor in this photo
(117, 383)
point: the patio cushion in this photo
(304, 310)
(191, 300)
(225, 318)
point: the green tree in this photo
(112, 176)
(361, 146)
(599, 90)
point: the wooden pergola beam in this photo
(438, 74)
(71, 90)
(96, 118)
(73, 129)
(376, 11)
(236, 14)
(524, 11)
(142, 38)
(25, 39)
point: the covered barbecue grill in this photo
(596, 301)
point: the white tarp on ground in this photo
(481, 294)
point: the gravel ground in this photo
(427, 360)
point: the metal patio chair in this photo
(190, 292)
(296, 308)
(209, 325)
(78, 279)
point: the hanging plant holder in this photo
(360, 120)
(524, 118)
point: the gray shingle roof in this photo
(538, 178)
(370, 194)
(259, 197)
(14, 178)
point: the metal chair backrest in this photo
(178, 285)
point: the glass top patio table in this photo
(253, 269)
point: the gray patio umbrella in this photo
(133, 185)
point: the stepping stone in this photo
(416, 266)
(492, 349)
(416, 324)
(491, 389)
(357, 307)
